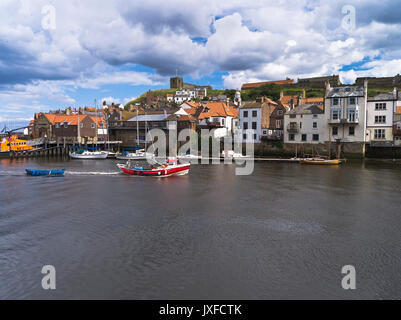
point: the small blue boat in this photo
(37, 172)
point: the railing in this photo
(293, 128)
(343, 121)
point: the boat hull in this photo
(135, 157)
(321, 162)
(177, 170)
(90, 156)
(37, 172)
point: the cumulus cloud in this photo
(95, 41)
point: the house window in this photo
(335, 102)
(380, 134)
(254, 137)
(380, 119)
(245, 125)
(335, 114)
(304, 137)
(279, 112)
(222, 122)
(335, 131)
(244, 136)
(380, 106)
(264, 131)
(315, 125)
(93, 126)
(315, 116)
(291, 137)
(245, 114)
(352, 101)
(254, 113)
(352, 115)
(315, 137)
(278, 123)
(254, 125)
(300, 125)
(57, 125)
(351, 131)
(81, 125)
(292, 116)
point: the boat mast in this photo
(79, 132)
(137, 127)
(96, 123)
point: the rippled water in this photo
(283, 232)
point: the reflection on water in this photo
(283, 232)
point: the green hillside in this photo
(269, 90)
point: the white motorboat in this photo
(230, 154)
(85, 154)
(189, 156)
(138, 155)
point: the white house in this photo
(305, 124)
(219, 116)
(381, 109)
(345, 113)
(255, 116)
(189, 94)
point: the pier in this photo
(60, 149)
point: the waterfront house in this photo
(381, 109)
(256, 116)
(219, 116)
(276, 124)
(345, 113)
(146, 120)
(61, 126)
(397, 125)
(305, 124)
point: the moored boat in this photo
(39, 172)
(320, 161)
(171, 168)
(85, 153)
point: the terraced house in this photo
(345, 113)
(305, 124)
(255, 119)
(380, 114)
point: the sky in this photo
(56, 54)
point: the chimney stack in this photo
(328, 87)
(281, 94)
(303, 94)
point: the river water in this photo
(285, 231)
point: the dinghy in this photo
(38, 172)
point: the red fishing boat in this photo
(171, 168)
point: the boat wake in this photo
(9, 173)
(92, 173)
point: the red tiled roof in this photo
(398, 110)
(61, 118)
(287, 99)
(218, 109)
(311, 100)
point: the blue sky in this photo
(55, 54)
